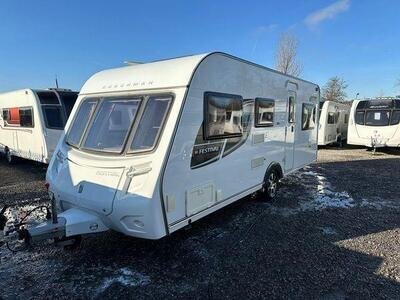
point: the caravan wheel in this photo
(9, 157)
(271, 184)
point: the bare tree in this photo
(286, 60)
(335, 89)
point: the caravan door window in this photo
(151, 123)
(222, 115)
(291, 118)
(331, 118)
(264, 112)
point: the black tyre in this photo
(271, 185)
(9, 157)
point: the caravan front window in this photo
(111, 125)
(377, 117)
(53, 116)
(150, 124)
(81, 120)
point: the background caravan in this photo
(333, 123)
(375, 122)
(152, 147)
(31, 122)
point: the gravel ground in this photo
(333, 233)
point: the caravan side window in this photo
(26, 117)
(264, 112)
(222, 115)
(18, 117)
(308, 116)
(346, 118)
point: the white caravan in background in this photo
(333, 123)
(152, 147)
(375, 122)
(32, 121)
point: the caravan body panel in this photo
(375, 123)
(183, 176)
(31, 123)
(333, 122)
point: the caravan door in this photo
(290, 131)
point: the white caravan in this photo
(333, 122)
(152, 147)
(375, 122)
(32, 121)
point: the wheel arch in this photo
(275, 166)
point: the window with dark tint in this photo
(377, 117)
(346, 118)
(68, 100)
(292, 112)
(331, 118)
(80, 122)
(223, 115)
(26, 117)
(53, 116)
(395, 117)
(5, 114)
(151, 123)
(264, 112)
(111, 125)
(308, 116)
(360, 117)
(397, 104)
(48, 97)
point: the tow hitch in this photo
(64, 229)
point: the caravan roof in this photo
(175, 72)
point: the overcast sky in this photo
(357, 40)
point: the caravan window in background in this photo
(151, 123)
(395, 117)
(53, 116)
(331, 118)
(80, 122)
(360, 117)
(48, 97)
(222, 115)
(26, 117)
(377, 117)
(264, 112)
(68, 100)
(308, 116)
(346, 118)
(111, 125)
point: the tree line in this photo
(287, 62)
